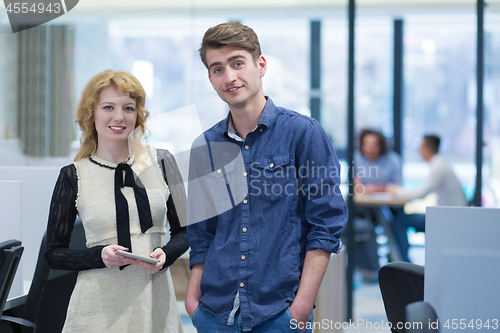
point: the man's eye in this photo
(217, 71)
(238, 64)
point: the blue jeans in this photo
(206, 322)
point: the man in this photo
(376, 166)
(257, 265)
(441, 180)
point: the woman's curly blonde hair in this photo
(124, 81)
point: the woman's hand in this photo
(114, 260)
(153, 268)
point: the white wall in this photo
(32, 190)
(462, 266)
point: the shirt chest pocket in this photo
(275, 164)
(227, 185)
(274, 175)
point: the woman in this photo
(118, 187)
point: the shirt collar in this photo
(267, 118)
(231, 132)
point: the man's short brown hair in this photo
(232, 33)
(432, 142)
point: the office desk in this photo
(380, 203)
(379, 199)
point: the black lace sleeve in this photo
(62, 215)
(176, 207)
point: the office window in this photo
(491, 168)
(334, 81)
(373, 81)
(373, 77)
(440, 70)
(440, 64)
(285, 45)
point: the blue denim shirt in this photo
(256, 206)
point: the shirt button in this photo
(243, 257)
(271, 165)
(242, 284)
(244, 229)
(261, 129)
(219, 171)
(245, 174)
(247, 147)
(245, 201)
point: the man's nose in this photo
(230, 76)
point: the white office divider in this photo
(37, 184)
(462, 267)
(10, 223)
(330, 312)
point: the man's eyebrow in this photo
(218, 63)
(235, 57)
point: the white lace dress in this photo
(114, 300)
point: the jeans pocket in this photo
(195, 312)
(289, 314)
(293, 324)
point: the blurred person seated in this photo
(441, 181)
(375, 167)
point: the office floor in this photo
(368, 312)
(368, 309)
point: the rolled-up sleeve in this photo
(200, 236)
(319, 181)
(201, 216)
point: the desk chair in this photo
(50, 291)
(423, 314)
(10, 256)
(401, 283)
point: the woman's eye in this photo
(108, 107)
(130, 109)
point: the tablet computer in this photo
(137, 257)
